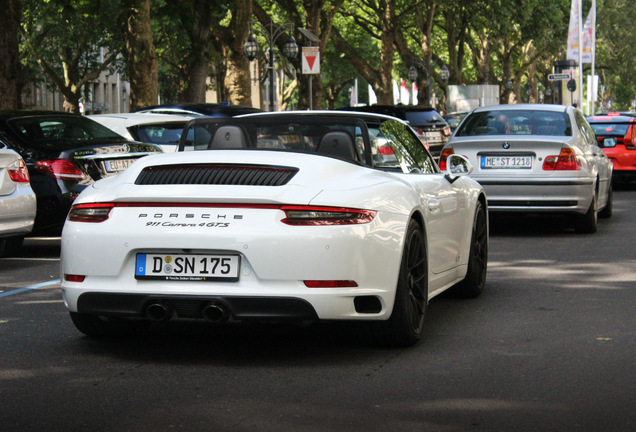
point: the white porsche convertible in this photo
(301, 216)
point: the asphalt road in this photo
(549, 346)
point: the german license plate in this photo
(187, 267)
(117, 165)
(513, 162)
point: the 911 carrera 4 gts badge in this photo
(506, 145)
(188, 220)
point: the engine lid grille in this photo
(216, 174)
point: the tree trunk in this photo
(9, 66)
(140, 55)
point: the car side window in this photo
(586, 130)
(401, 149)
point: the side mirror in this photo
(457, 166)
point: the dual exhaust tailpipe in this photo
(214, 312)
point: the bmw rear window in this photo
(516, 122)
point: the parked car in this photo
(616, 135)
(65, 153)
(278, 216)
(161, 129)
(429, 125)
(17, 202)
(536, 158)
(198, 109)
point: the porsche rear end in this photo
(246, 237)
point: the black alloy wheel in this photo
(404, 327)
(475, 280)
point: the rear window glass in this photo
(423, 117)
(168, 133)
(610, 129)
(516, 122)
(62, 131)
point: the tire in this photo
(606, 213)
(475, 280)
(587, 224)
(90, 325)
(404, 327)
(10, 246)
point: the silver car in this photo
(17, 202)
(536, 158)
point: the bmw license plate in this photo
(118, 165)
(187, 267)
(513, 162)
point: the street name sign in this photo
(559, 77)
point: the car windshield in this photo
(516, 122)
(388, 145)
(62, 131)
(424, 117)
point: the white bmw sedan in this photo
(300, 216)
(536, 159)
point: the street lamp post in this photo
(271, 32)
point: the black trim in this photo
(530, 203)
(534, 183)
(241, 308)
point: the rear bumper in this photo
(527, 195)
(240, 308)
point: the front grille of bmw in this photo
(216, 174)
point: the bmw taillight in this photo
(446, 152)
(60, 169)
(312, 215)
(18, 172)
(567, 160)
(97, 212)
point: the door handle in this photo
(433, 206)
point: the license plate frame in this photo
(187, 267)
(117, 165)
(506, 162)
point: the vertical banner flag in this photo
(311, 60)
(404, 93)
(573, 32)
(589, 35)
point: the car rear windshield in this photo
(516, 122)
(62, 131)
(610, 129)
(423, 117)
(166, 133)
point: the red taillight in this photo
(386, 150)
(330, 284)
(90, 212)
(18, 172)
(60, 169)
(567, 160)
(446, 152)
(74, 278)
(310, 215)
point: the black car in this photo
(205, 109)
(430, 126)
(64, 154)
